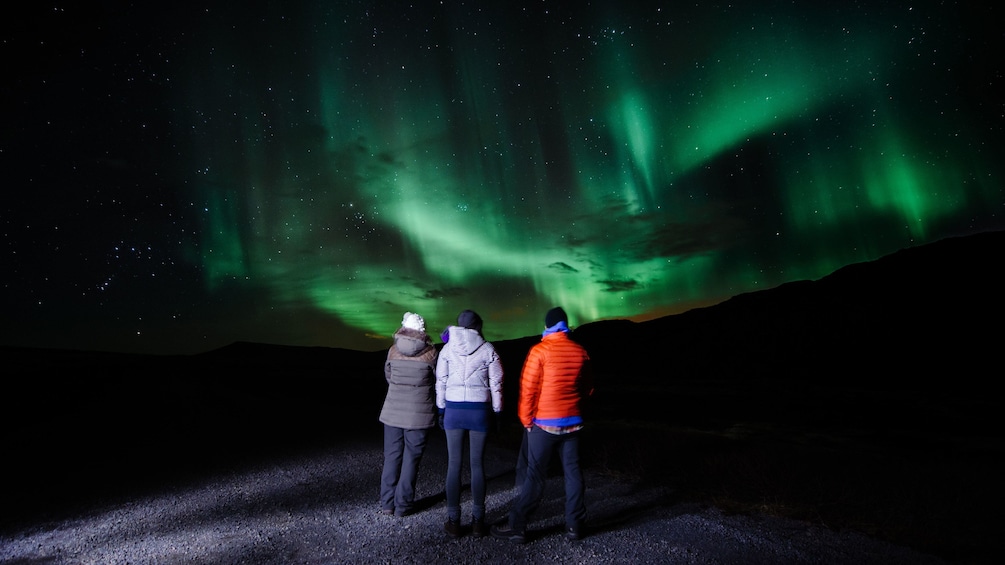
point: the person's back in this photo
(409, 411)
(469, 369)
(554, 382)
(409, 372)
(469, 377)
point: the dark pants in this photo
(521, 463)
(455, 459)
(540, 447)
(402, 454)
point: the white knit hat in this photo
(413, 321)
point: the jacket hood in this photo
(411, 342)
(465, 340)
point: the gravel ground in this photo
(322, 508)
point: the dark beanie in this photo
(554, 316)
(469, 319)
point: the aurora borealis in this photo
(182, 177)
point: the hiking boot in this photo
(573, 534)
(505, 532)
(453, 528)
(478, 529)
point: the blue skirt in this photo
(473, 416)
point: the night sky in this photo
(179, 176)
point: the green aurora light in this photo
(618, 172)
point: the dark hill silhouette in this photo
(930, 309)
(903, 344)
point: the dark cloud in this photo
(563, 267)
(688, 239)
(623, 285)
(438, 293)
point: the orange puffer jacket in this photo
(554, 382)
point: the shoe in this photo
(505, 532)
(478, 527)
(573, 534)
(387, 511)
(452, 528)
(404, 512)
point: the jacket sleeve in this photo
(530, 387)
(442, 372)
(496, 381)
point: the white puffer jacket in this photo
(468, 370)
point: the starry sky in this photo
(180, 176)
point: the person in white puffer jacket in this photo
(469, 381)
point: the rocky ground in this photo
(321, 507)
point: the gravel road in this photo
(322, 508)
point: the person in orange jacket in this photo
(554, 383)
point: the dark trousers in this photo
(521, 463)
(455, 459)
(540, 447)
(402, 454)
